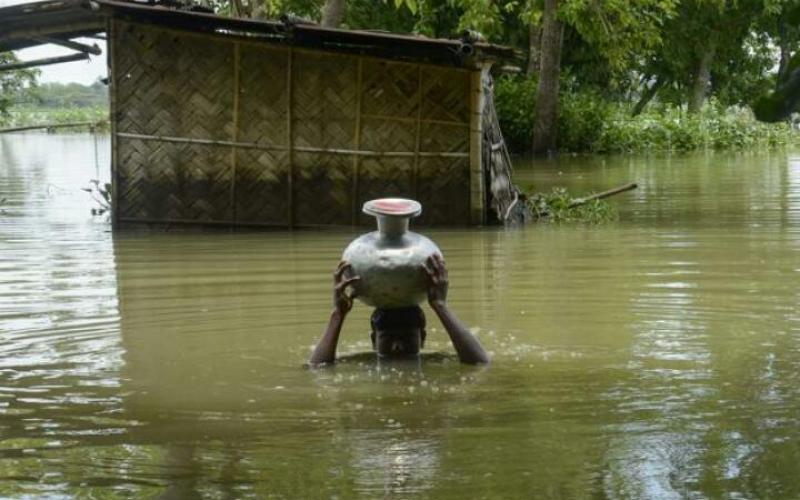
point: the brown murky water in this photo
(656, 357)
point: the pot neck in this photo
(392, 226)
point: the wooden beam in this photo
(235, 131)
(80, 47)
(113, 119)
(289, 140)
(476, 179)
(43, 62)
(301, 149)
(97, 25)
(51, 126)
(417, 135)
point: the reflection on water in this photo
(657, 357)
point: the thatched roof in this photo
(27, 25)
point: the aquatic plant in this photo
(101, 194)
(558, 206)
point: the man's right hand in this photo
(342, 301)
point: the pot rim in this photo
(392, 207)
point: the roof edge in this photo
(449, 52)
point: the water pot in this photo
(390, 260)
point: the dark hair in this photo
(398, 318)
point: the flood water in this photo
(653, 357)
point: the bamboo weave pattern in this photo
(174, 87)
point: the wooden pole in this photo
(302, 149)
(87, 26)
(477, 195)
(80, 47)
(43, 62)
(289, 141)
(51, 126)
(357, 158)
(604, 194)
(418, 136)
(112, 106)
(235, 131)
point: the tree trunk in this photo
(783, 65)
(545, 132)
(333, 13)
(238, 9)
(534, 41)
(646, 97)
(701, 78)
(786, 50)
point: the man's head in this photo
(398, 332)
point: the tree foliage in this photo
(13, 82)
(629, 53)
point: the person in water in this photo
(399, 333)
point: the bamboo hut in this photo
(218, 120)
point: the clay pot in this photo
(390, 260)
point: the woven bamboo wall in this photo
(214, 130)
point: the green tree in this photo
(712, 47)
(13, 82)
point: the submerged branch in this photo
(559, 206)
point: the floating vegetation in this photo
(101, 194)
(558, 206)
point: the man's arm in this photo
(467, 347)
(325, 351)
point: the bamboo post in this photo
(112, 119)
(289, 141)
(235, 131)
(418, 136)
(357, 147)
(476, 181)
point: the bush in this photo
(515, 100)
(581, 119)
(590, 123)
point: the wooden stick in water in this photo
(604, 194)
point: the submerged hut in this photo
(219, 120)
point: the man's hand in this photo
(342, 302)
(437, 280)
(467, 346)
(325, 351)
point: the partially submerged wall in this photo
(219, 130)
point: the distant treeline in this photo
(63, 95)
